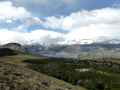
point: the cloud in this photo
(36, 36)
(33, 20)
(84, 18)
(9, 12)
(8, 21)
(82, 26)
(11, 15)
(43, 8)
(89, 25)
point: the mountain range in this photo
(82, 51)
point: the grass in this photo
(65, 69)
(17, 59)
(98, 77)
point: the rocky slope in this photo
(14, 77)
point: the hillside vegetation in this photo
(91, 73)
(14, 75)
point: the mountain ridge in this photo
(69, 51)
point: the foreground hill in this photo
(13, 76)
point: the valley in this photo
(16, 75)
(90, 74)
(81, 73)
(93, 75)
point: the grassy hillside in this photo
(14, 75)
(91, 74)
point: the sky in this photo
(59, 21)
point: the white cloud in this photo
(8, 21)
(82, 26)
(53, 22)
(84, 18)
(93, 33)
(83, 35)
(33, 20)
(10, 12)
(89, 25)
(36, 36)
